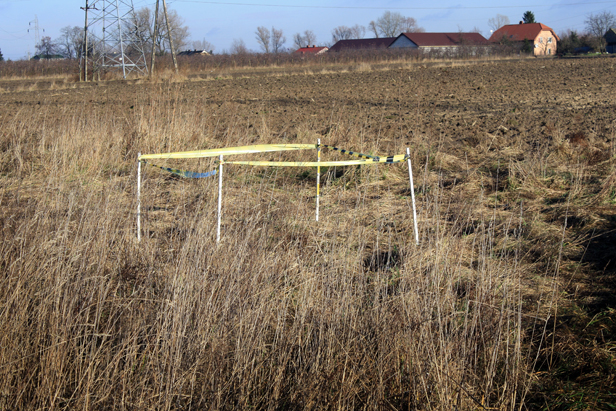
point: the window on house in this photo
(549, 51)
(540, 39)
(549, 39)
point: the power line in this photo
(388, 8)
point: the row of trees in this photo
(270, 41)
(68, 45)
(390, 24)
(137, 33)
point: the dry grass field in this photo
(507, 303)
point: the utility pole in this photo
(85, 48)
(175, 62)
(154, 36)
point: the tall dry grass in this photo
(284, 313)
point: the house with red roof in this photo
(311, 50)
(441, 42)
(542, 38)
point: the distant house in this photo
(48, 57)
(442, 42)
(193, 53)
(311, 50)
(542, 38)
(362, 44)
(610, 38)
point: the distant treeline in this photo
(191, 65)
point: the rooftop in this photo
(444, 39)
(362, 44)
(311, 50)
(520, 32)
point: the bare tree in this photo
(497, 22)
(304, 40)
(409, 25)
(70, 42)
(341, 33)
(238, 47)
(598, 24)
(140, 27)
(373, 28)
(141, 30)
(203, 45)
(263, 38)
(179, 32)
(348, 33)
(310, 37)
(46, 47)
(392, 24)
(358, 31)
(298, 41)
(278, 40)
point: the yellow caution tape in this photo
(262, 148)
(394, 159)
(351, 153)
(265, 148)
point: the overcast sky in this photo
(220, 22)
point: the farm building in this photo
(193, 53)
(311, 50)
(48, 57)
(442, 42)
(610, 38)
(362, 44)
(543, 39)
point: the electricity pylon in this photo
(115, 42)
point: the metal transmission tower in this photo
(115, 40)
(37, 34)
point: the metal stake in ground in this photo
(408, 153)
(219, 198)
(138, 197)
(318, 175)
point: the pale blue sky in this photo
(219, 22)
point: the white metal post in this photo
(318, 175)
(408, 153)
(219, 198)
(138, 197)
